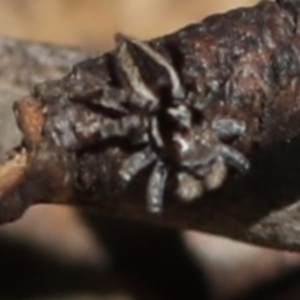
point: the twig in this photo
(257, 79)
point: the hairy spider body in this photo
(166, 97)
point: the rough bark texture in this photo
(261, 207)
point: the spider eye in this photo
(149, 73)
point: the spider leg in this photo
(155, 134)
(234, 158)
(93, 128)
(131, 48)
(228, 128)
(135, 163)
(132, 71)
(156, 187)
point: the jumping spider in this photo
(174, 143)
(153, 102)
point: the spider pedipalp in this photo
(189, 187)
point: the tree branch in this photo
(262, 207)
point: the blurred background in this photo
(56, 252)
(94, 22)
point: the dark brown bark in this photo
(260, 207)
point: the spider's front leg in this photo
(147, 73)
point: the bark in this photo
(261, 207)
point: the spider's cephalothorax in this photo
(176, 143)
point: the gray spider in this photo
(194, 151)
